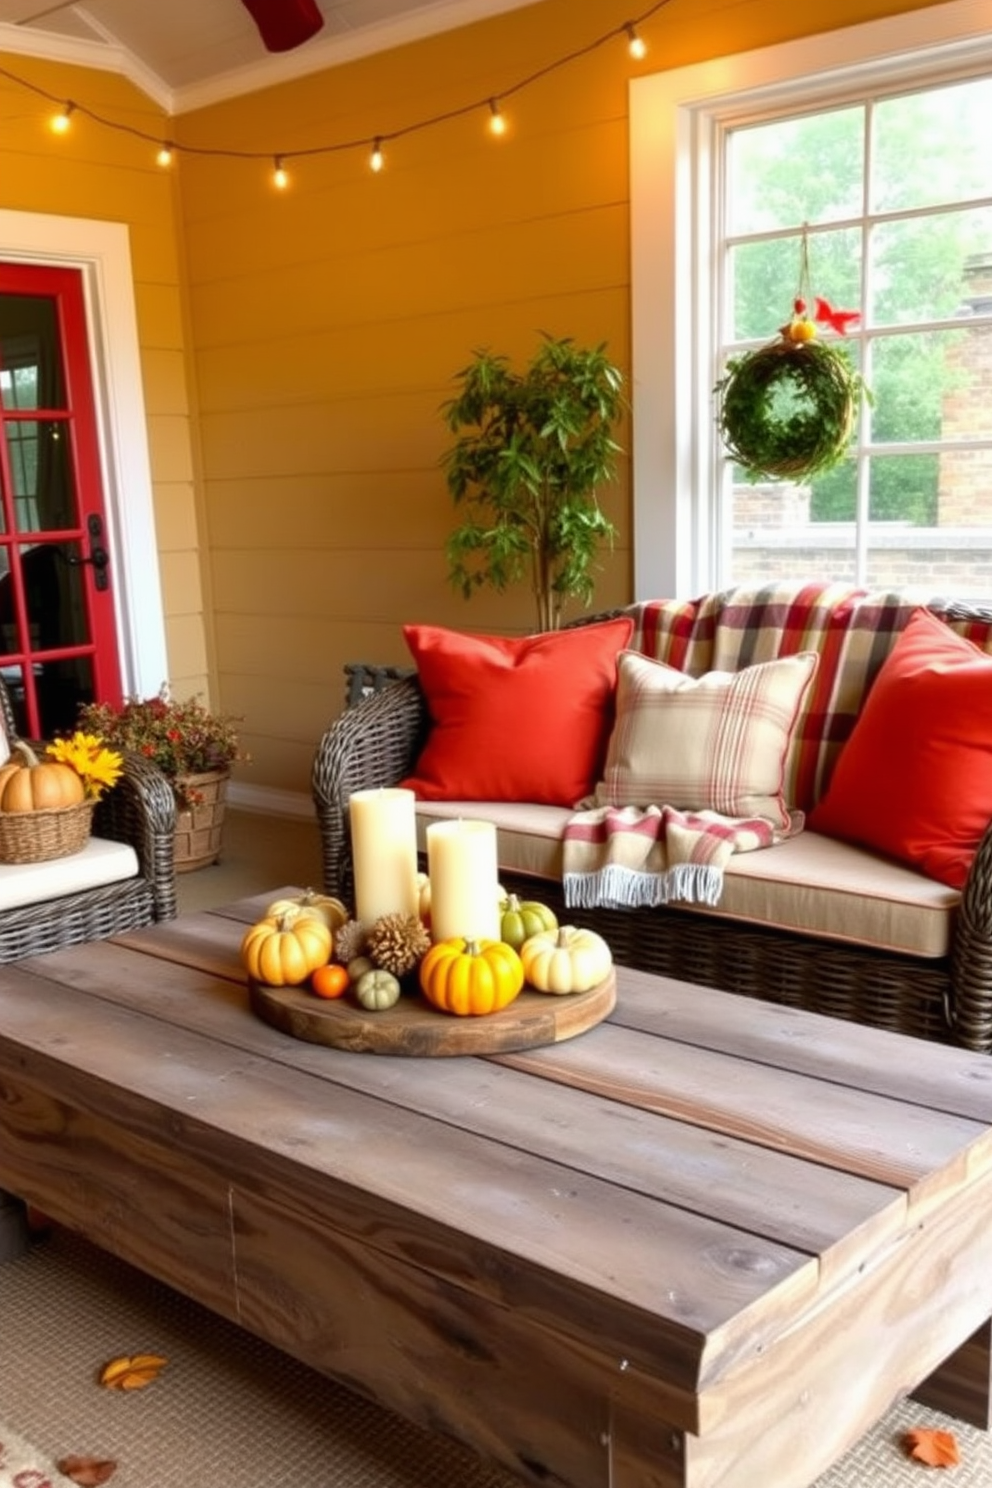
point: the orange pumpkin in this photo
(284, 952)
(470, 978)
(33, 785)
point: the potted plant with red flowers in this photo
(193, 748)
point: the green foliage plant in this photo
(533, 447)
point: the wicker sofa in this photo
(941, 991)
(139, 813)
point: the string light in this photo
(497, 124)
(279, 177)
(168, 149)
(61, 122)
(636, 45)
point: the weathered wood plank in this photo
(877, 1136)
(910, 1069)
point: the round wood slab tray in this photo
(414, 1027)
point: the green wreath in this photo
(788, 408)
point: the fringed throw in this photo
(618, 857)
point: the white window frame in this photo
(676, 121)
(102, 252)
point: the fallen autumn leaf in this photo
(932, 1447)
(88, 1472)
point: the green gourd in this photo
(377, 990)
(520, 919)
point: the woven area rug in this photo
(231, 1412)
(22, 1466)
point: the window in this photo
(881, 156)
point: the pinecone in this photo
(349, 941)
(396, 943)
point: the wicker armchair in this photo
(376, 741)
(141, 811)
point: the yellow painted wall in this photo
(327, 323)
(109, 175)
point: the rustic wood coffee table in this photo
(706, 1243)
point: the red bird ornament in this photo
(837, 320)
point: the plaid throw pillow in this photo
(711, 743)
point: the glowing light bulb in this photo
(279, 177)
(60, 122)
(635, 45)
(376, 161)
(497, 124)
(164, 156)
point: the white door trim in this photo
(102, 251)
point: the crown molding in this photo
(104, 56)
(317, 55)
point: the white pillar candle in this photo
(464, 877)
(384, 848)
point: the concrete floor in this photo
(260, 852)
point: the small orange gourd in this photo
(471, 977)
(31, 784)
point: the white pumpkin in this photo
(310, 904)
(568, 959)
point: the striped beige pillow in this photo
(711, 743)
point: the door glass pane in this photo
(61, 688)
(41, 473)
(14, 678)
(8, 622)
(30, 360)
(53, 593)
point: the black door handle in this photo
(100, 559)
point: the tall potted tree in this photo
(532, 450)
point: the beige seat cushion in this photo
(100, 862)
(810, 884)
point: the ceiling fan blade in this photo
(284, 24)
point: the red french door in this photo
(58, 641)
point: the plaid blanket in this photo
(652, 855)
(621, 857)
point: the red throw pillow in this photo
(914, 780)
(516, 719)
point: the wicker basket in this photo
(37, 836)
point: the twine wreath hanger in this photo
(787, 409)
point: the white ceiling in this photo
(187, 53)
